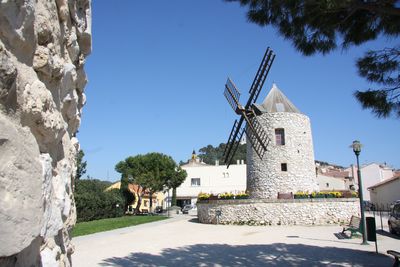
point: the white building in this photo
(332, 178)
(371, 174)
(385, 193)
(210, 179)
(331, 183)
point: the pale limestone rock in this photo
(41, 115)
(41, 60)
(63, 10)
(20, 187)
(73, 46)
(43, 45)
(17, 27)
(81, 80)
(8, 76)
(52, 213)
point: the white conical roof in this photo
(276, 101)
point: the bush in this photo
(226, 196)
(301, 194)
(242, 195)
(93, 203)
(203, 196)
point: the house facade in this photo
(331, 183)
(157, 198)
(209, 179)
(371, 174)
(383, 194)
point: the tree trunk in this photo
(151, 201)
(173, 201)
(137, 210)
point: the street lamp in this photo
(116, 209)
(166, 189)
(357, 149)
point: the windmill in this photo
(255, 133)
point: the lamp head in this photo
(356, 147)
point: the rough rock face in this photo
(43, 46)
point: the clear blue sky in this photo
(157, 73)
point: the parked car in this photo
(186, 208)
(158, 209)
(394, 218)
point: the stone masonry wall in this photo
(264, 176)
(278, 212)
(43, 46)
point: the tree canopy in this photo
(80, 165)
(209, 154)
(151, 172)
(320, 26)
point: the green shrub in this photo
(226, 196)
(242, 195)
(301, 194)
(203, 196)
(93, 203)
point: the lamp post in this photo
(357, 149)
(116, 209)
(166, 189)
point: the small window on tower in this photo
(284, 167)
(280, 137)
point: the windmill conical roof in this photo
(276, 101)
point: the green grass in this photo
(87, 228)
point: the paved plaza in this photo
(182, 241)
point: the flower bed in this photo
(327, 194)
(226, 195)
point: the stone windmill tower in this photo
(288, 164)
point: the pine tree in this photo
(318, 26)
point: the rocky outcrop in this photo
(43, 46)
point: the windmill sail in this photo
(256, 135)
(232, 94)
(233, 141)
(260, 77)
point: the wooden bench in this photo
(396, 256)
(353, 226)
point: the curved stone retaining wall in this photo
(278, 211)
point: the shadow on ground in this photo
(277, 254)
(384, 233)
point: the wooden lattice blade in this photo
(257, 136)
(260, 77)
(234, 137)
(232, 94)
